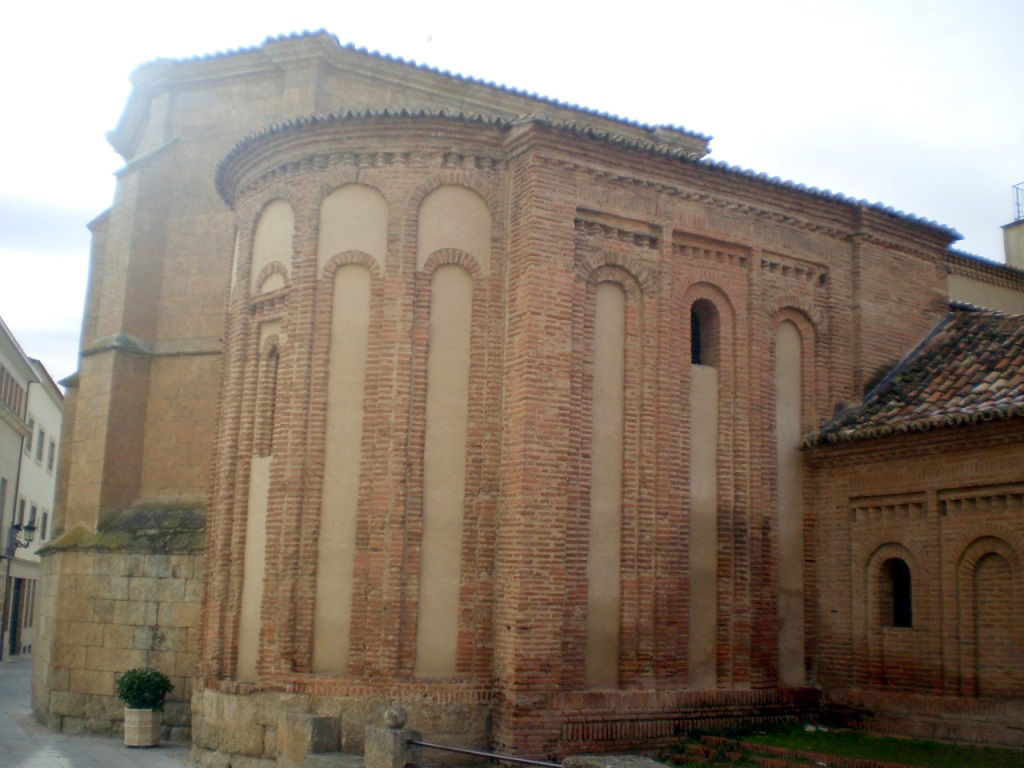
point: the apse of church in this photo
(451, 403)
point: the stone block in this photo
(136, 613)
(300, 734)
(183, 566)
(388, 747)
(194, 590)
(117, 636)
(147, 588)
(179, 614)
(156, 567)
(102, 610)
(104, 707)
(67, 703)
(98, 682)
(176, 713)
(80, 633)
(240, 737)
(145, 638)
(185, 663)
(69, 655)
(206, 758)
(113, 659)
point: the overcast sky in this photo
(918, 105)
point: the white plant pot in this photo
(142, 727)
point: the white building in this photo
(31, 407)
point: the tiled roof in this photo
(675, 153)
(969, 369)
(307, 34)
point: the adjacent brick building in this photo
(918, 495)
(502, 420)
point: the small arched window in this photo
(704, 333)
(896, 599)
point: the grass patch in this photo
(909, 751)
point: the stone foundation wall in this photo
(103, 612)
(241, 729)
(956, 718)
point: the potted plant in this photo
(143, 690)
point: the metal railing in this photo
(1018, 201)
(488, 755)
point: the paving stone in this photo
(26, 743)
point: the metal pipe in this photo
(488, 755)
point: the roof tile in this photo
(970, 368)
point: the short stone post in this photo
(300, 734)
(388, 746)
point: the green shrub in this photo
(143, 688)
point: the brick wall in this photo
(571, 223)
(947, 503)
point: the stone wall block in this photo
(300, 734)
(193, 590)
(137, 613)
(69, 654)
(113, 659)
(178, 614)
(176, 713)
(388, 747)
(118, 636)
(98, 682)
(157, 567)
(102, 610)
(147, 588)
(66, 703)
(105, 707)
(270, 706)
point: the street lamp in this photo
(26, 531)
(29, 530)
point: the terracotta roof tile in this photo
(970, 368)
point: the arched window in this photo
(267, 404)
(704, 333)
(895, 597)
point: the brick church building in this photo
(400, 386)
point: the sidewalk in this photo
(24, 743)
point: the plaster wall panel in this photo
(790, 504)
(703, 541)
(249, 617)
(455, 217)
(353, 218)
(272, 240)
(604, 583)
(350, 321)
(444, 471)
(982, 294)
